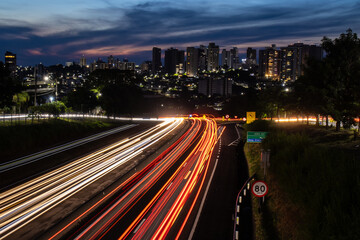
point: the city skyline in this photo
(54, 33)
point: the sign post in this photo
(259, 189)
(265, 160)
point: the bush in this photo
(323, 183)
(54, 108)
(259, 125)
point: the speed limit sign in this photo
(259, 188)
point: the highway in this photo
(24, 204)
(156, 202)
(163, 199)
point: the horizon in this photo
(41, 31)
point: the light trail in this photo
(23, 204)
(169, 189)
(208, 142)
(113, 214)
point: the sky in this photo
(57, 31)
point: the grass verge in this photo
(313, 187)
(19, 140)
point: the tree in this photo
(54, 108)
(311, 90)
(21, 100)
(273, 100)
(81, 100)
(332, 86)
(121, 99)
(8, 87)
(343, 77)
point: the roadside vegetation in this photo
(26, 139)
(313, 186)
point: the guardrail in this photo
(28, 118)
(243, 193)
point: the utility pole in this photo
(36, 76)
(56, 89)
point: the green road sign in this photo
(256, 137)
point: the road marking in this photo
(203, 201)
(187, 175)
(169, 186)
(138, 227)
(236, 142)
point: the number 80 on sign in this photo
(259, 188)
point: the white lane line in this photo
(169, 186)
(203, 201)
(236, 142)
(138, 227)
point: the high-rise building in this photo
(82, 61)
(212, 57)
(181, 61)
(290, 67)
(174, 61)
(10, 61)
(202, 58)
(215, 86)
(99, 64)
(294, 59)
(234, 58)
(251, 56)
(192, 61)
(225, 59)
(156, 59)
(230, 59)
(111, 61)
(270, 63)
(287, 64)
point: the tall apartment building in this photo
(203, 58)
(10, 61)
(82, 61)
(225, 59)
(192, 61)
(156, 59)
(251, 56)
(270, 63)
(230, 59)
(111, 61)
(234, 57)
(287, 64)
(174, 61)
(290, 67)
(212, 57)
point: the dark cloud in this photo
(159, 23)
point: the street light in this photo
(51, 99)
